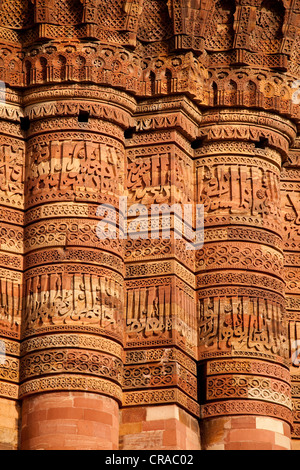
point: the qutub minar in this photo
(139, 343)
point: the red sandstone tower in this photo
(138, 343)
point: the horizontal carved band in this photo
(157, 268)
(62, 109)
(59, 140)
(257, 118)
(248, 387)
(9, 368)
(8, 390)
(64, 209)
(266, 223)
(66, 232)
(296, 431)
(11, 238)
(239, 256)
(71, 383)
(83, 255)
(243, 233)
(296, 416)
(214, 154)
(160, 375)
(292, 280)
(80, 341)
(12, 216)
(296, 389)
(158, 142)
(159, 355)
(241, 277)
(174, 120)
(74, 328)
(12, 129)
(72, 92)
(12, 348)
(149, 269)
(9, 275)
(292, 305)
(246, 407)
(11, 261)
(240, 291)
(246, 132)
(73, 268)
(246, 366)
(292, 259)
(244, 150)
(253, 355)
(290, 177)
(102, 130)
(162, 396)
(113, 106)
(11, 112)
(63, 361)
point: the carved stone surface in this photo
(164, 102)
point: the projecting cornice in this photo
(262, 26)
(217, 52)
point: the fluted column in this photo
(72, 338)
(290, 198)
(160, 409)
(12, 169)
(243, 348)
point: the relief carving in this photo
(72, 168)
(58, 299)
(163, 101)
(239, 190)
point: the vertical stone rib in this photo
(109, 325)
(243, 339)
(72, 335)
(12, 168)
(161, 335)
